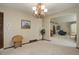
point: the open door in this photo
(1, 30)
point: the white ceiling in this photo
(52, 7)
(66, 18)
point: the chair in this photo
(17, 41)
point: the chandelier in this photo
(39, 10)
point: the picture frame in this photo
(58, 27)
(25, 24)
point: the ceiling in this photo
(66, 18)
(52, 7)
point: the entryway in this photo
(65, 30)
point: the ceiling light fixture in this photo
(39, 10)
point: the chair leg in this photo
(15, 45)
(20, 44)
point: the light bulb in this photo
(42, 7)
(35, 12)
(34, 8)
(45, 10)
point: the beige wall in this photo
(47, 27)
(12, 26)
(77, 29)
(73, 28)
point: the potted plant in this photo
(42, 33)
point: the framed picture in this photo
(58, 27)
(25, 24)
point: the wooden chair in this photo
(17, 41)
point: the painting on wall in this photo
(58, 27)
(25, 24)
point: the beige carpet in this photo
(63, 40)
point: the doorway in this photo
(1, 30)
(66, 30)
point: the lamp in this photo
(39, 10)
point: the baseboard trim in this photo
(46, 39)
(13, 46)
(22, 44)
(8, 47)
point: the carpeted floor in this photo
(63, 41)
(43, 47)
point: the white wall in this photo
(77, 29)
(73, 28)
(12, 26)
(47, 27)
